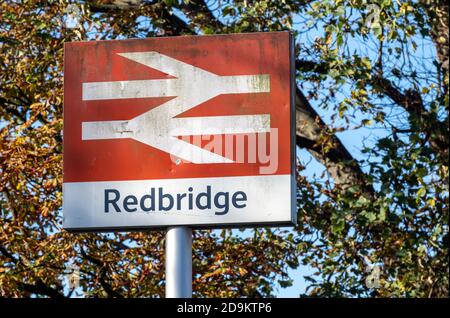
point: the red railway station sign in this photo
(188, 130)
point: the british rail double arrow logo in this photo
(191, 86)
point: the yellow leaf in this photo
(242, 271)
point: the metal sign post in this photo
(179, 262)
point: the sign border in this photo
(293, 112)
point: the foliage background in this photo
(378, 69)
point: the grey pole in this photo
(179, 262)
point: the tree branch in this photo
(113, 5)
(339, 163)
(39, 288)
(11, 109)
(171, 23)
(199, 13)
(410, 100)
(101, 275)
(306, 66)
(437, 12)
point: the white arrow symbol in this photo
(158, 127)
